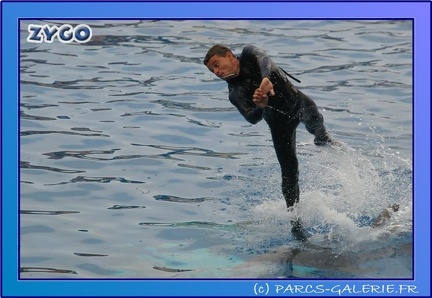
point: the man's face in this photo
(225, 67)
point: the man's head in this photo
(222, 62)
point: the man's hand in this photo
(266, 87)
(260, 96)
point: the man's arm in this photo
(263, 60)
(251, 112)
(265, 66)
(261, 94)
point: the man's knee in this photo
(314, 122)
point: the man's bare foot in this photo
(298, 231)
(326, 139)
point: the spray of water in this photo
(343, 192)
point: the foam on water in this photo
(345, 191)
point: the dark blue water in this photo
(135, 164)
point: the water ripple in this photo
(44, 132)
(196, 224)
(169, 198)
(80, 254)
(189, 106)
(33, 117)
(199, 123)
(96, 179)
(122, 207)
(192, 151)
(171, 269)
(41, 212)
(62, 85)
(27, 165)
(37, 105)
(333, 68)
(46, 270)
(79, 154)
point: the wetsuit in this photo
(285, 110)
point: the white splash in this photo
(342, 192)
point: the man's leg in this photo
(285, 148)
(284, 140)
(313, 120)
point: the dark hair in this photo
(218, 49)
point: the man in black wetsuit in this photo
(259, 89)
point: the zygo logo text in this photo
(65, 33)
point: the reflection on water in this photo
(27, 165)
(45, 270)
(117, 207)
(133, 163)
(180, 200)
(170, 269)
(41, 212)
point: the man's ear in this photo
(229, 55)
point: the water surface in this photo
(135, 165)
